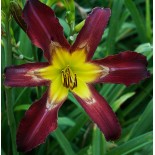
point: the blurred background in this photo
(129, 28)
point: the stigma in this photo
(69, 79)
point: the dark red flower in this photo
(70, 68)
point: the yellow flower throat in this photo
(69, 72)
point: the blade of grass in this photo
(115, 105)
(80, 121)
(63, 141)
(22, 107)
(114, 25)
(145, 49)
(72, 98)
(115, 93)
(99, 142)
(147, 117)
(133, 144)
(137, 19)
(126, 30)
(148, 21)
(131, 121)
(139, 98)
(83, 151)
(65, 121)
(51, 2)
(71, 133)
(106, 89)
(2, 152)
(124, 16)
(25, 44)
(65, 26)
(76, 112)
(20, 95)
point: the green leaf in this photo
(106, 89)
(21, 95)
(80, 121)
(138, 99)
(6, 6)
(65, 26)
(51, 2)
(130, 4)
(148, 21)
(115, 93)
(114, 26)
(2, 152)
(145, 49)
(65, 121)
(133, 144)
(25, 46)
(115, 105)
(147, 118)
(126, 30)
(84, 151)
(99, 142)
(22, 107)
(63, 141)
(72, 98)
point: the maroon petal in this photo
(43, 26)
(126, 67)
(91, 33)
(37, 123)
(19, 76)
(101, 113)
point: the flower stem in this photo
(8, 91)
(70, 17)
(19, 56)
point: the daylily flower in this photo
(69, 69)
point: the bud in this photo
(70, 13)
(16, 12)
(79, 26)
(60, 4)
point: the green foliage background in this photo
(129, 28)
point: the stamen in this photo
(69, 79)
(75, 81)
(67, 85)
(63, 79)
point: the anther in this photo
(75, 81)
(69, 79)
